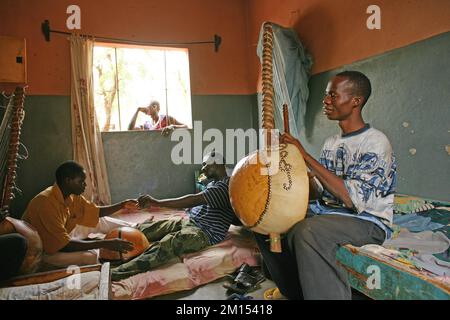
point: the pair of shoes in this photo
(246, 269)
(273, 294)
(247, 279)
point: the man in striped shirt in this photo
(210, 216)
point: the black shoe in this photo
(246, 280)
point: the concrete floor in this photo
(215, 291)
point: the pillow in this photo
(410, 204)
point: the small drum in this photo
(132, 235)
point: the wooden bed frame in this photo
(49, 276)
(398, 281)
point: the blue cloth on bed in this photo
(317, 208)
(415, 223)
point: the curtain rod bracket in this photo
(45, 28)
(217, 42)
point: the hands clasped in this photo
(146, 201)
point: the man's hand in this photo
(130, 204)
(167, 130)
(146, 201)
(287, 138)
(117, 245)
(142, 109)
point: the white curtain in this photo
(86, 136)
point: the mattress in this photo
(189, 271)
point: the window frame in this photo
(116, 45)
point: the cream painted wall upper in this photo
(335, 31)
(224, 72)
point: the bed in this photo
(191, 270)
(94, 283)
(398, 278)
(382, 272)
(84, 283)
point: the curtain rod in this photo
(45, 28)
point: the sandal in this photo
(273, 294)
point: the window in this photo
(128, 77)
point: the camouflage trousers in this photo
(168, 239)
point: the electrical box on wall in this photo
(13, 62)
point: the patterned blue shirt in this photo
(217, 215)
(365, 161)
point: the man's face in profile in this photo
(77, 184)
(212, 164)
(208, 169)
(338, 103)
(153, 110)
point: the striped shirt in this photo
(215, 217)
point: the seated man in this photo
(158, 121)
(58, 210)
(357, 174)
(210, 217)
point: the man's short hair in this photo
(68, 169)
(154, 102)
(361, 84)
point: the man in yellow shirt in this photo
(58, 210)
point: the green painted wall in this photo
(140, 162)
(410, 103)
(410, 86)
(46, 133)
(137, 162)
